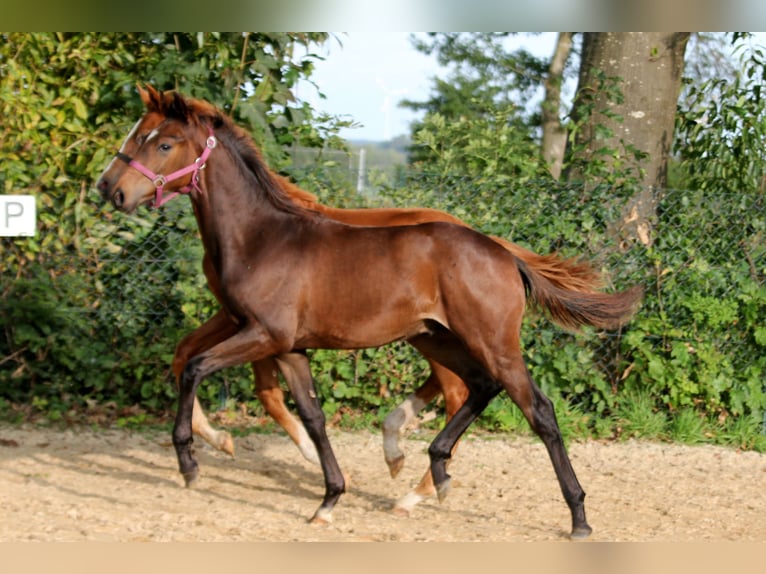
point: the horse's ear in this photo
(152, 98)
(176, 107)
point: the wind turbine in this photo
(388, 101)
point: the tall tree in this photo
(624, 115)
(626, 101)
(554, 141)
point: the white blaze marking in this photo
(130, 135)
(124, 144)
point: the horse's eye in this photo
(164, 147)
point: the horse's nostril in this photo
(118, 199)
(102, 185)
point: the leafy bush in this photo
(95, 303)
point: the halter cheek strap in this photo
(160, 181)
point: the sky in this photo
(371, 72)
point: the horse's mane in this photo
(200, 112)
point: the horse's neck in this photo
(229, 208)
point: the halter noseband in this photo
(160, 180)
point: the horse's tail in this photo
(566, 291)
(568, 274)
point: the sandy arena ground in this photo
(113, 485)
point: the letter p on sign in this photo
(18, 215)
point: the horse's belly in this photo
(361, 332)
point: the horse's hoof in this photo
(443, 489)
(401, 512)
(226, 443)
(581, 532)
(191, 477)
(321, 517)
(395, 465)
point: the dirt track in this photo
(121, 486)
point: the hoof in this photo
(321, 517)
(443, 489)
(191, 477)
(406, 503)
(401, 512)
(226, 443)
(581, 532)
(395, 465)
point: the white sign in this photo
(18, 215)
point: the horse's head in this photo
(163, 153)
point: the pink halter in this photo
(160, 181)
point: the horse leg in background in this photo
(455, 394)
(273, 399)
(401, 416)
(218, 328)
(295, 368)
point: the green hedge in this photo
(100, 323)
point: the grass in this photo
(635, 415)
(688, 427)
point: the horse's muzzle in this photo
(116, 197)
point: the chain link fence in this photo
(698, 339)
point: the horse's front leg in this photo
(273, 399)
(250, 344)
(297, 373)
(218, 328)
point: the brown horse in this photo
(565, 273)
(292, 279)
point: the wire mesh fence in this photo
(697, 340)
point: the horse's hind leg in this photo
(538, 410)
(482, 391)
(446, 349)
(455, 394)
(295, 368)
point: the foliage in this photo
(94, 304)
(722, 124)
(493, 144)
(91, 302)
(483, 103)
(482, 69)
(369, 380)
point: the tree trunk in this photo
(554, 133)
(635, 121)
